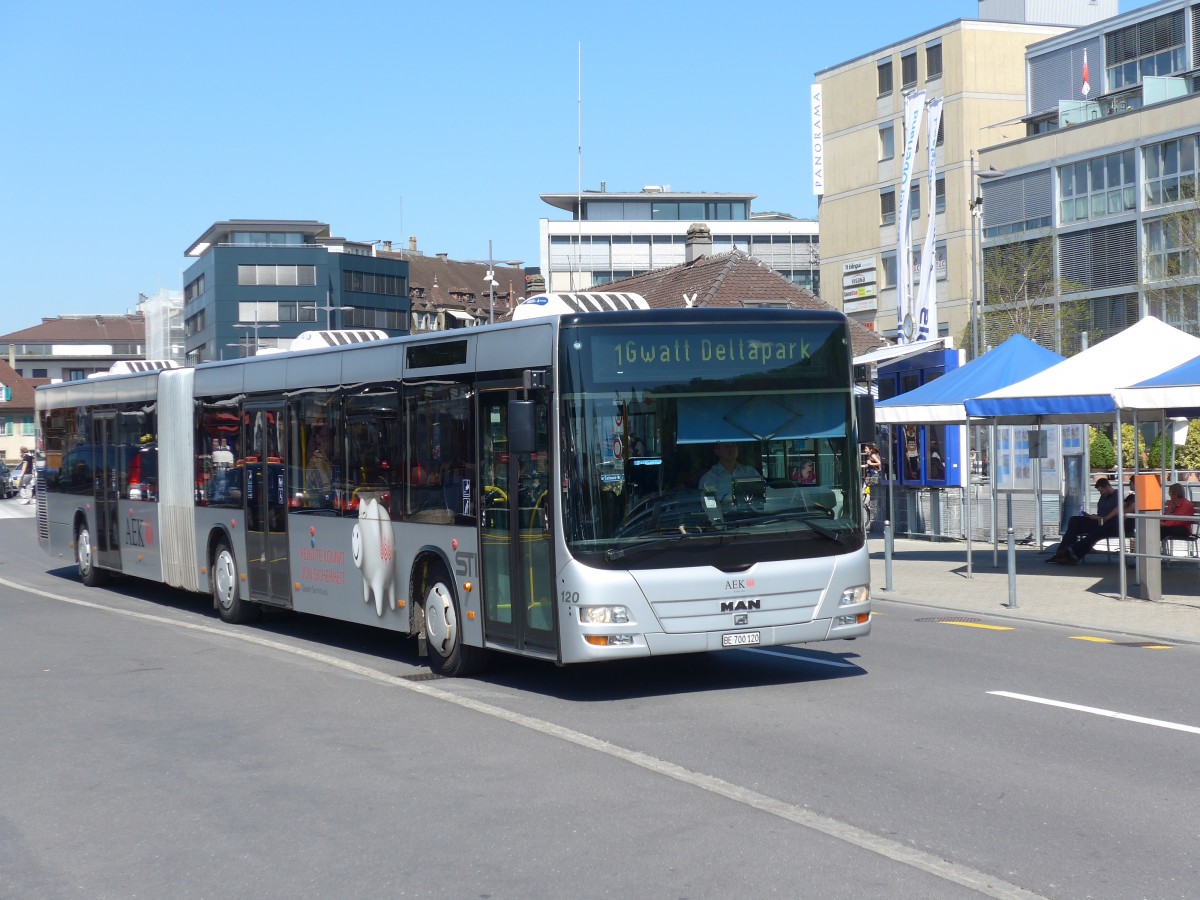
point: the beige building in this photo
(977, 68)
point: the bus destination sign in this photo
(689, 353)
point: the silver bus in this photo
(576, 487)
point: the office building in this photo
(977, 69)
(1091, 222)
(612, 235)
(261, 283)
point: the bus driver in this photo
(719, 479)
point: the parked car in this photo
(10, 480)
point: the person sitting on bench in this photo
(1084, 532)
(1177, 505)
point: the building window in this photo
(888, 270)
(1103, 186)
(885, 78)
(941, 135)
(278, 311)
(1171, 247)
(933, 61)
(267, 238)
(277, 275)
(887, 207)
(939, 196)
(40, 373)
(887, 141)
(372, 283)
(914, 200)
(908, 70)
(1170, 171)
(1152, 47)
(194, 288)
(194, 324)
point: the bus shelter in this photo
(1080, 389)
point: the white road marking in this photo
(808, 659)
(985, 884)
(1096, 711)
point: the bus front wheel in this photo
(85, 561)
(226, 595)
(443, 629)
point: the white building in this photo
(621, 235)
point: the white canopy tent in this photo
(1080, 389)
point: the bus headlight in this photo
(859, 594)
(603, 615)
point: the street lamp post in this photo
(256, 325)
(976, 206)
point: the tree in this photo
(1022, 295)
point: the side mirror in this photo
(522, 429)
(864, 412)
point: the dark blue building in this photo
(261, 283)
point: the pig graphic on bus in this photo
(373, 549)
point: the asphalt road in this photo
(149, 750)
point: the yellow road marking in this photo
(1094, 640)
(1156, 647)
(978, 625)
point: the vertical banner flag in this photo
(914, 103)
(926, 314)
(1087, 88)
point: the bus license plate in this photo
(741, 639)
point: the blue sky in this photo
(129, 128)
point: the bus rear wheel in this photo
(443, 629)
(84, 560)
(226, 595)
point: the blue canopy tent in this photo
(1175, 392)
(1081, 389)
(942, 401)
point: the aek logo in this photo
(138, 532)
(740, 584)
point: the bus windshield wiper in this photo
(614, 553)
(833, 534)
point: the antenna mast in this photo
(579, 174)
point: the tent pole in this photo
(992, 486)
(967, 488)
(1037, 487)
(1121, 505)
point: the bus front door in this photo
(107, 490)
(515, 532)
(266, 505)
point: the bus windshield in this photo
(700, 437)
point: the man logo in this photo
(739, 605)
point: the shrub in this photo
(1104, 458)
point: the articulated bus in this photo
(547, 487)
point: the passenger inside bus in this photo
(318, 473)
